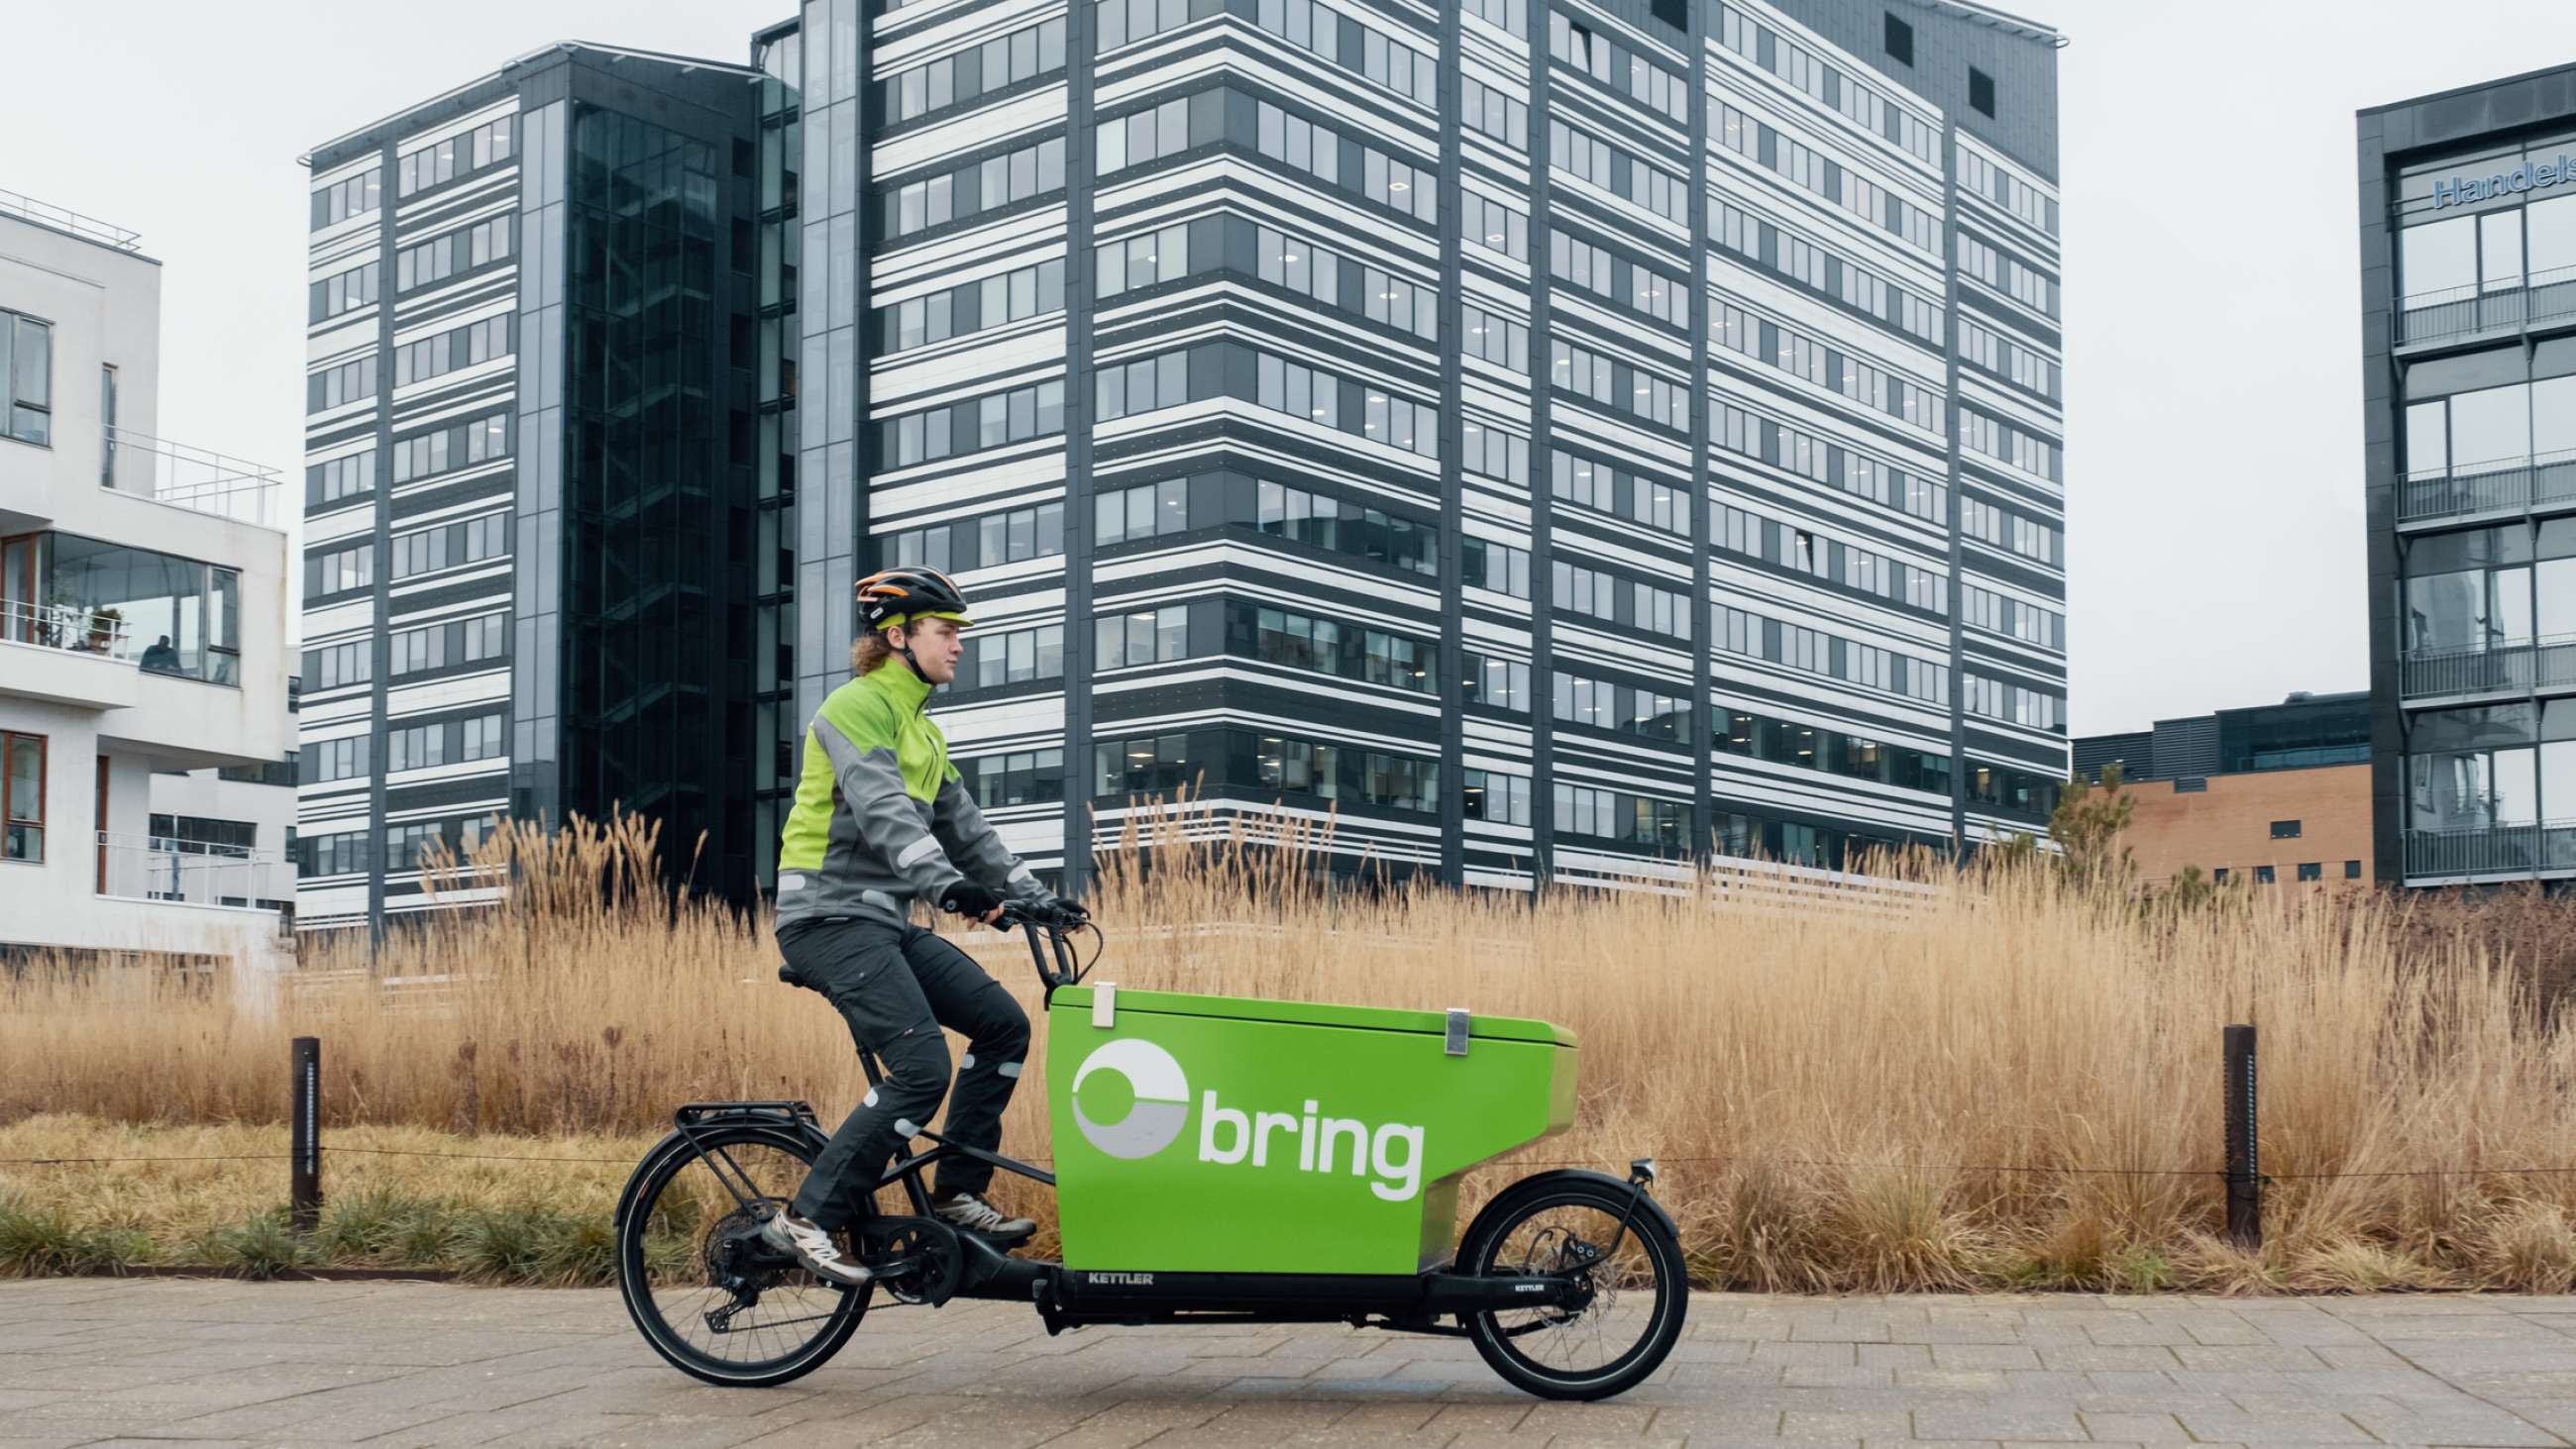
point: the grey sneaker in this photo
(814, 1249)
(973, 1214)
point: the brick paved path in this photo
(86, 1361)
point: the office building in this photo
(2468, 298)
(1545, 437)
(143, 624)
(528, 469)
(2272, 794)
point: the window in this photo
(2285, 830)
(1015, 656)
(344, 292)
(1500, 116)
(992, 421)
(2312, 870)
(1135, 139)
(1022, 777)
(2219, 875)
(2352, 870)
(1329, 646)
(1618, 816)
(1494, 683)
(22, 797)
(341, 200)
(1511, 16)
(483, 736)
(331, 666)
(181, 617)
(1498, 340)
(457, 155)
(415, 747)
(338, 571)
(341, 759)
(1496, 566)
(1981, 94)
(2263, 875)
(340, 854)
(1020, 534)
(1149, 636)
(1145, 385)
(1325, 522)
(1644, 500)
(1123, 22)
(347, 383)
(1497, 454)
(1142, 261)
(447, 352)
(957, 79)
(955, 195)
(443, 257)
(1606, 705)
(1144, 511)
(1496, 798)
(1494, 225)
(425, 454)
(26, 379)
(1900, 40)
(1835, 752)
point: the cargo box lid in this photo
(1318, 1013)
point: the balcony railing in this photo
(157, 868)
(61, 218)
(2459, 311)
(188, 477)
(71, 627)
(2492, 850)
(2497, 485)
(2513, 666)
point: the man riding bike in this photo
(881, 820)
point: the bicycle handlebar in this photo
(1065, 971)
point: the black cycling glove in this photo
(1065, 913)
(967, 898)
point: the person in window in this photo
(160, 656)
(881, 820)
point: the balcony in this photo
(182, 476)
(156, 868)
(2491, 851)
(2506, 668)
(65, 654)
(2464, 312)
(2501, 487)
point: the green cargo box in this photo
(1224, 1134)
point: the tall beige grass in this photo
(1836, 1094)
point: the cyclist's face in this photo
(936, 644)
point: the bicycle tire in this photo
(635, 1286)
(1655, 1244)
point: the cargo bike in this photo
(1218, 1160)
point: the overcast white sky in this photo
(2213, 333)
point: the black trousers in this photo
(897, 986)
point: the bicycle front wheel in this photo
(712, 1299)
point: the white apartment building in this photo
(144, 624)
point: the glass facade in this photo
(2474, 555)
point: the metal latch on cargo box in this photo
(1456, 1044)
(1104, 1005)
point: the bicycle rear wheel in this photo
(709, 1296)
(1635, 1289)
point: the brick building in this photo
(2276, 794)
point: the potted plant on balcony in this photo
(102, 631)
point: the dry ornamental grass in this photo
(2006, 1084)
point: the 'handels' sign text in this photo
(2461, 190)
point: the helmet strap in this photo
(909, 662)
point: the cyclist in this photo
(881, 820)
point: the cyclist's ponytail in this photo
(869, 651)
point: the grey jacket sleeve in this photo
(961, 829)
(871, 785)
